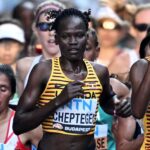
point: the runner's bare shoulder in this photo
(43, 69)
(139, 66)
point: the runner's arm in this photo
(28, 116)
(108, 100)
(124, 132)
(140, 81)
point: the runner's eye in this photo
(3, 89)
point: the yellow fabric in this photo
(59, 121)
(146, 122)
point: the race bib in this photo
(6, 147)
(33, 147)
(78, 116)
(100, 136)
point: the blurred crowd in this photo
(121, 19)
(117, 28)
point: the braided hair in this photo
(71, 12)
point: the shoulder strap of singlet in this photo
(9, 127)
(88, 64)
(90, 68)
(56, 69)
(35, 61)
(21, 146)
(10, 133)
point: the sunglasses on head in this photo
(141, 27)
(109, 25)
(44, 26)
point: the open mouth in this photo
(51, 41)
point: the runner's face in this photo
(111, 40)
(142, 18)
(71, 37)
(10, 51)
(109, 33)
(5, 92)
(47, 38)
(92, 49)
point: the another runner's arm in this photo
(124, 132)
(33, 136)
(140, 80)
(108, 100)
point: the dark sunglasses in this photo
(141, 27)
(44, 26)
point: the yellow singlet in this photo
(78, 117)
(146, 121)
